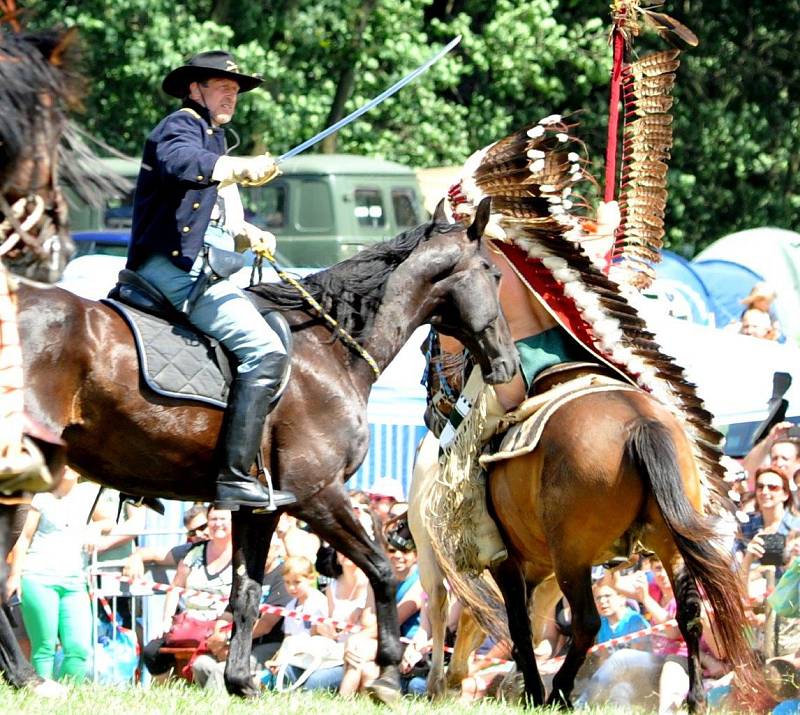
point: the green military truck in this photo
(323, 208)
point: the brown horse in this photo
(83, 381)
(611, 469)
(37, 85)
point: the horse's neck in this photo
(405, 306)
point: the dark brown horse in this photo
(83, 382)
(36, 88)
(611, 469)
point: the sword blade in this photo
(372, 103)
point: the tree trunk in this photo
(344, 86)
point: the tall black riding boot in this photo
(242, 430)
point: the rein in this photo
(329, 319)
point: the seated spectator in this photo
(349, 602)
(48, 572)
(195, 521)
(300, 578)
(631, 675)
(617, 618)
(762, 299)
(383, 494)
(756, 324)
(207, 567)
(361, 648)
(209, 669)
(772, 515)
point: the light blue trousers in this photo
(223, 311)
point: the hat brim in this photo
(176, 83)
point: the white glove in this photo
(262, 243)
(245, 170)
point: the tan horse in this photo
(612, 466)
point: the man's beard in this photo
(223, 117)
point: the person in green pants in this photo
(48, 573)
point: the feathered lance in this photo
(618, 45)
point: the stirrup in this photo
(277, 499)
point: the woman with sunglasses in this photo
(771, 516)
(195, 521)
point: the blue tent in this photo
(727, 282)
(678, 285)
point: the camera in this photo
(774, 546)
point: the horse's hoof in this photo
(559, 700)
(243, 687)
(437, 689)
(386, 688)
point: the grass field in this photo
(186, 700)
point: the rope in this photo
(330, 320)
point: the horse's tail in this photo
(652, 450)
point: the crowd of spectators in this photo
(324, 594)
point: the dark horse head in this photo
(465, 292)
(435, 273)
(37, 86)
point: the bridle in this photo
(20, 218)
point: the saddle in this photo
(177, 360)
(521, 429)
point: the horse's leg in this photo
(430, 574)
(251, 536)
(432, 581)
(17, 671)
(511, 581)
(468, 637)
(575, 581)
(690, 623)
(331, 517)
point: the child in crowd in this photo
(300, 578)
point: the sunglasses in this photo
(769, 487)
(197, 529)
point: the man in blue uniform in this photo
(187, 209)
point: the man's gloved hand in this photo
(245, 170)
(262, 243)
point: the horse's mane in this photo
(29, 82)
(352, 290)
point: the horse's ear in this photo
(64, 45)
(439, 215)
(475, 231)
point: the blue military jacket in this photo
(174, 192)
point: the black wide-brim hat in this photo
(205, 65)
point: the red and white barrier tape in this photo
(354, 628)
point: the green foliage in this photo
(736, 155)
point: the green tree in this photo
(737, 123)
